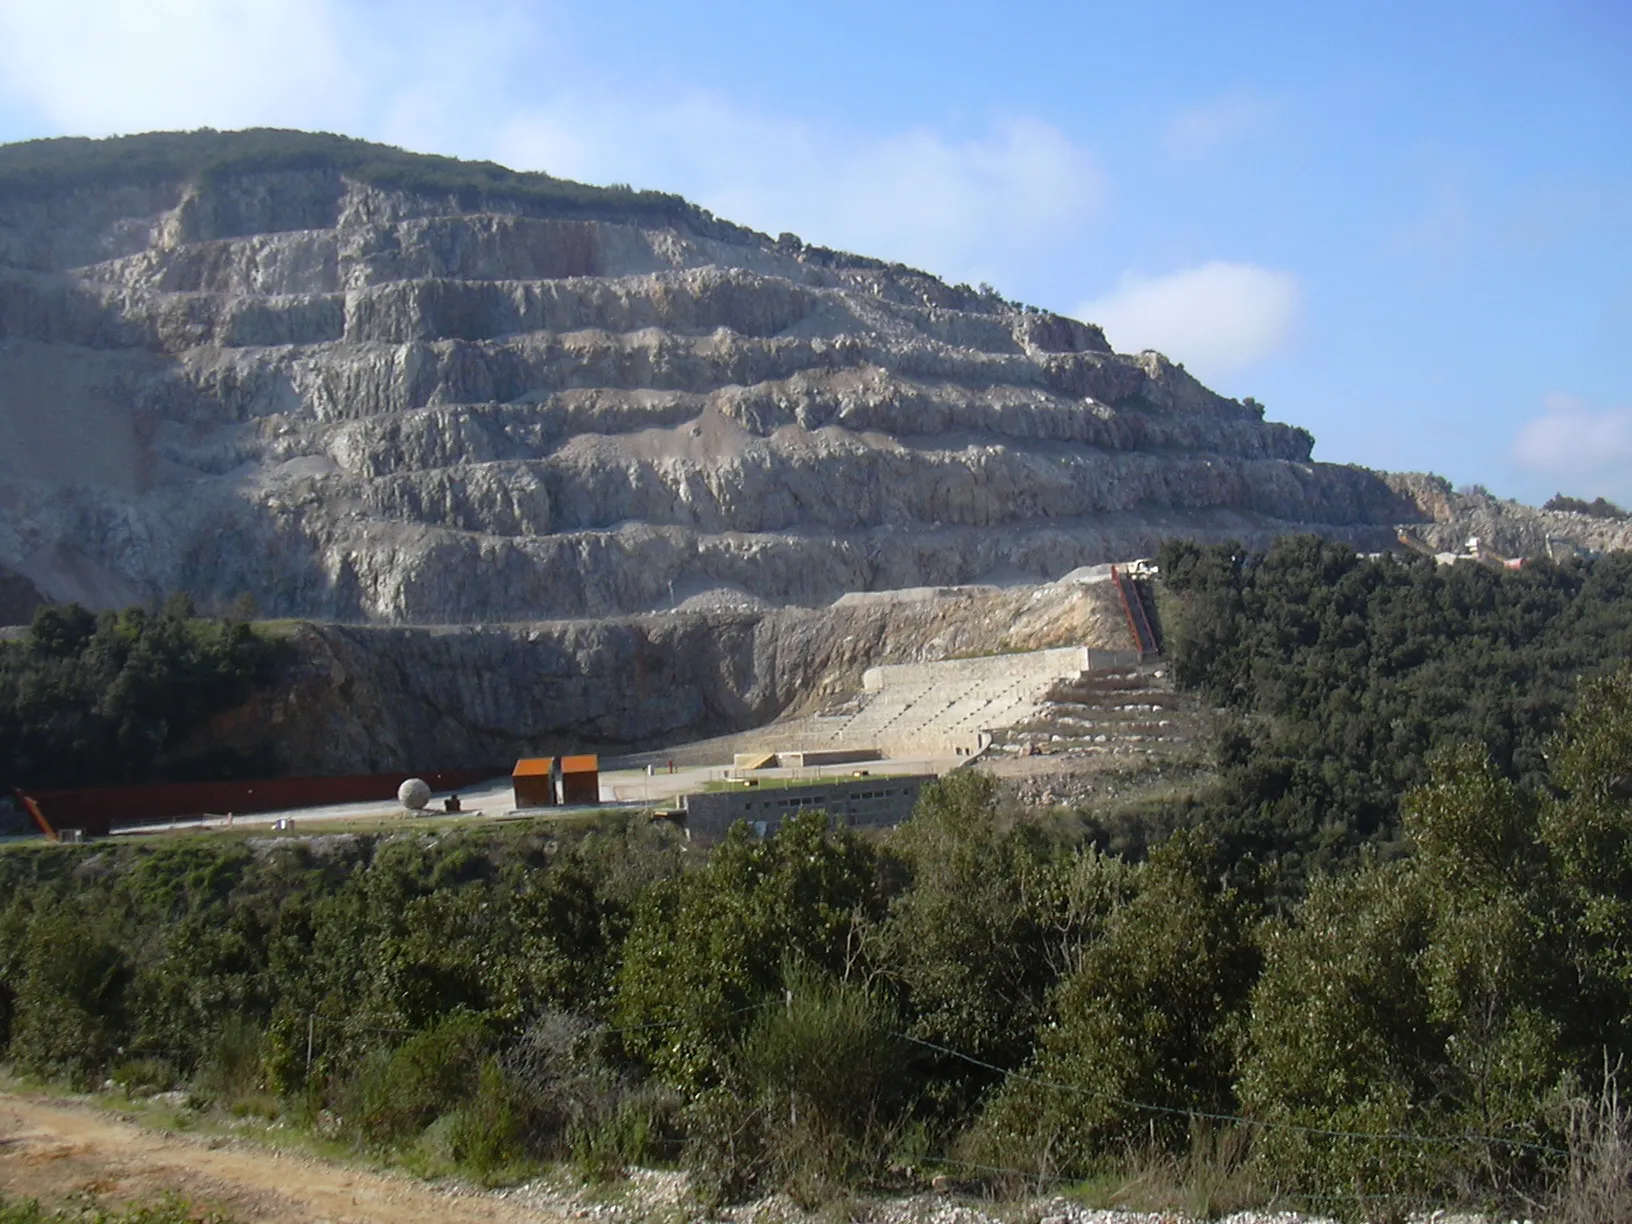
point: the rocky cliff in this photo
(1448, 518)
(363, 386)
(362, 698)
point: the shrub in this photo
(975, 944)
(706, 950)
(70, 1005)
(1146, 1028)
(232, 1071)
(399, 1093)
(813, 1098)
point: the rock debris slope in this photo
(363, 386)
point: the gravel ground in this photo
(655, 1195)
(57, 1150)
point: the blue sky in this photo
(1406, 227)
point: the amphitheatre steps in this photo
(1131, 712)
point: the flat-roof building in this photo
(855, 802)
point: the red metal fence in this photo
(98, 810)
(1133, 605)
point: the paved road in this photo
(620, 787)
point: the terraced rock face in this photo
(368, 402)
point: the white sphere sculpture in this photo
(414, 794)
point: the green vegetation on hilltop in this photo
(37, 168)
(89, 700)
(1598, 507)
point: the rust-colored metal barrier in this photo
(101, 809)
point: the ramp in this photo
(1133, 605)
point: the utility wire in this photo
(1295, 1127)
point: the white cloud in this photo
(93, 67)
(490, 79)
(1217, 318)
(419, 74)
(1207, 128)
(1571, 442)
(960, 207)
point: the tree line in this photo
(92, 699)
(1338, 676)
(815, 1011)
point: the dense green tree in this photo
(88, 700)
(1147, 1027)
(71, 1013)
(709, 948)
(1341, 675)
(1459, 992)
(991, 915)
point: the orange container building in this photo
(534, 781)
(581, 779)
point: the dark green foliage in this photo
(90, 700)
(708, 949)
(1154, 1016)
(70, 997)
(1343, 1039)
(1466, 991)
(814, 1011)
(398, 1093)
(1598, 507)
(1344, 674)
(41, 168)
(811, 1097)
(208, 953)
(990, 920)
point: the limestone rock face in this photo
(362, 401)
(1506, 527)
(358, 698)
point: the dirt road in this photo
(50, 1150)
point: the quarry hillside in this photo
(360, 385)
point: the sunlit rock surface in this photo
(359, 401)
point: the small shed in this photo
(534, 781)
(581, 779)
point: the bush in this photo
(706, 950)
(1343, 1038)
(397, 1094)
(145, 1076)
(233, 1072)
(1146, 1028)
(70, 1004)
(813, 1099)
(485, 1135)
